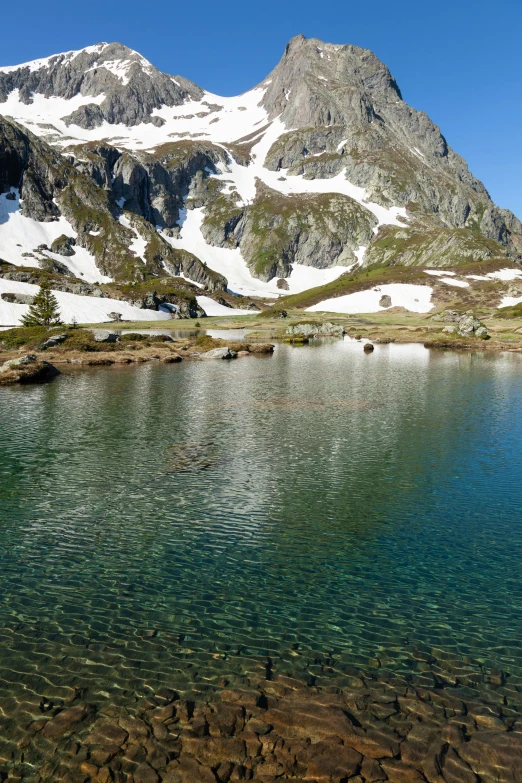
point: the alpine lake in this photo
(319, 522)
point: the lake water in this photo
(317, 510)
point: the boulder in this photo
(53, 341)
(469, 326)
(450, 329)
(385, 301)
(105, 336)
(219, 353)
(283, 284)
(64, 245)
(368, 348)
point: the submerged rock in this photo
(190, 457)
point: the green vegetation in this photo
(45, 310)
(30, 337)
(436, 247)
(515, 311)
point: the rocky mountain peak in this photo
(126, 87)
(317, 83)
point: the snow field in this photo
(415, 298)
(86, 309)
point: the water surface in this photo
(312, 511)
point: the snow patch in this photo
(138, 244)
(506, 274)
(509, 301)
(416, 298)
(439, 273)
(501, 274)
(214, 308)
(452, 281)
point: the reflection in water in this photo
(172, 524)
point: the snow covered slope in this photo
(20, 236)
(85, 309)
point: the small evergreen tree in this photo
(44, 311)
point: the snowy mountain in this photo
(113, 171)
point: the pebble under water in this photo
(318, 514)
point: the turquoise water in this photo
(309, 512)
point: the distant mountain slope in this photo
(320, 168)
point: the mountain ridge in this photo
(241, 183)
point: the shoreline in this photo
(137, 343)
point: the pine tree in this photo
(44, 311)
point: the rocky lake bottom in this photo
(304, 566)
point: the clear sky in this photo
(460, 61)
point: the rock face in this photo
(64, 245)
(49, 186)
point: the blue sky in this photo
(460, 61)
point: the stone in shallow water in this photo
(329, 760)
(190, 457)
